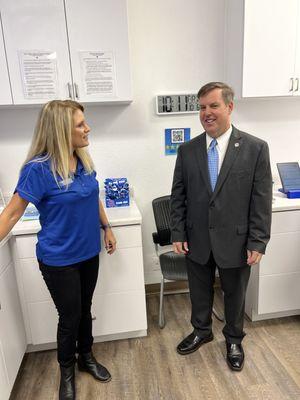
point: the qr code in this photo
(177, 135)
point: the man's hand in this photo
(254, 257)
(110, 241)
(180, 247)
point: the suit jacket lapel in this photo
(230, 156)
(201, 156)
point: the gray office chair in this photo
(173, 266)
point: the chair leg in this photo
(218, 316)
(161, 320)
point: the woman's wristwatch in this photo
(106, 226)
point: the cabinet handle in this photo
(76, 91)
(297, 84)
(70, 90)
(291, 85)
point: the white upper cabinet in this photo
(5, 93)
(58, 49)
(262, 46)
(296, 82)
(37, 50)
(98, 41)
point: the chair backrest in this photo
(161, 211)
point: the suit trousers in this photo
(234, 283)
(71, 288)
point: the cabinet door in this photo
(4, 383)
(37, 49)
(270, 32)
(98, 40)
(297, 64)
(5, 93)
(12, 333)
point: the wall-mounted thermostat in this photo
(177, 103)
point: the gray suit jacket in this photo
(233, 218)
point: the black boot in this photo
(88, 363)
(67, 383)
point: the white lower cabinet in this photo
(274, 284)
(4, 382)
(12, 333)
(119, 307)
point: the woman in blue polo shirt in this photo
(58, 177)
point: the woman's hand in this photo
(110, 241)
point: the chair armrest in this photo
(155, 237)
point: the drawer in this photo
(121, 272)
(285, 221)
(118, 313)
(282, 254)
(26, 246)
(114, 313)
(128, 236)
(279, 293)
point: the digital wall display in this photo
(177, 104)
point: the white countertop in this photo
(131, 215)
(117, 216)
(282, 203)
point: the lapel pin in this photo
(236, 144)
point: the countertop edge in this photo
(117, 216)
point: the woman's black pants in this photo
(71, 288)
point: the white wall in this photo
(175, 46)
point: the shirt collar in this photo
(222, 140)
(79, 167)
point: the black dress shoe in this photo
(192, 343)
(235, 356)
(88, 363)
(67, 383)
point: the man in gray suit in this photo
(221, 206)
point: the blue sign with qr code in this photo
(174, 138)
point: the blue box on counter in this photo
(116, 192)
(291, 194)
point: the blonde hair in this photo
(52, 138)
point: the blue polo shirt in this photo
(69, 215)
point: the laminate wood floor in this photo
(150, 369)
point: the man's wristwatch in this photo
(106, 226)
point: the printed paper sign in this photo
(39, 74)
(98, 72)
